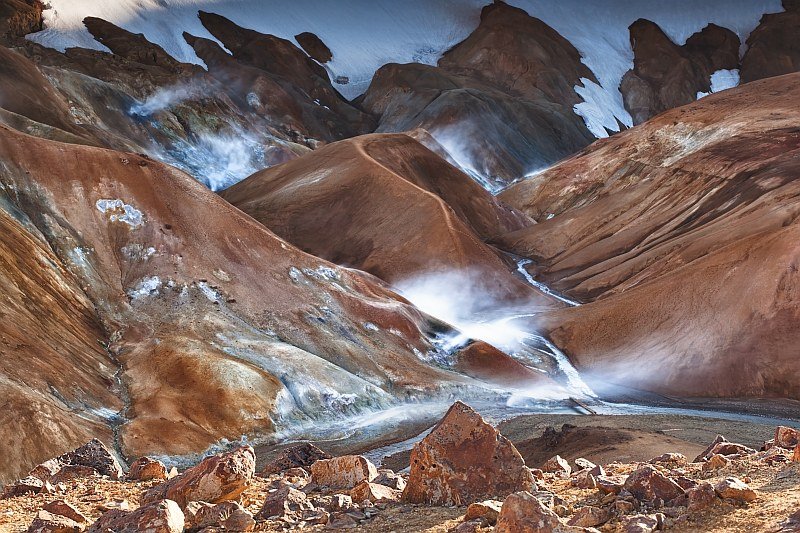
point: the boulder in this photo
(463, 460)
(284, 500)
(227, 515)
(647, 484)
(589, 516)
(487, 510)
(707, 452)
(147, 469)
(584, 480)
(162, 516)
(610, 484)
(373, 492)
(46, 522)
(343, 472)
(732, 488)
(557, 465)
(721, 446)
(701, 497)
(390, 479)
(522, 512)
(67, 510)
(46, 470)
(302, 455)
(715, 462)
(215, 479)
(28, 485)
(94, 454)
(786, 437)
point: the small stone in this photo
(62, 508)
(640, 524)
(46, 470)
(715, 462)
(70, 472)
(341, 521)
(341, 502)
(732, 488)
(343, 472)
(624, 506)
(701, 497)
(584, 464)
(671, 459)
(122, 505)
(557, 465)
(589, 517)
(227, 515)
(796, 455)
(147, 469)
(584, 480)
(610, 484)
(487, 510)
(373, 492)
(786, 437)
(523, 512)
(46, 522)
(284, 501)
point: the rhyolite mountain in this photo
(141, 307)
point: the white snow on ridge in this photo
(721, 80)
(364, 36)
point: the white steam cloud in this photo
(164, 98)
(457, 144)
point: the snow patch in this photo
(145, 288)
(721, 80)
(120, 212)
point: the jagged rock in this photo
(343, 472)
(640, 524)
(121, 505)
(283, 501)
(373, 492)
(610, 484)
(314, 47)
(796, 455)
(341, 502)
(715, 462)
(162, 516)
(685, 482)
(342, 521)
(772, 45)
(732, 488)
(487, 510)
(70, 472)
(302, 455)
(470, 526)
(589, 516)
(146, 469)
(584, 480)
(62, 508)
(46, 522)
(46, 470)
(731, 448)
(228, 515)
(584, 464)
(701, 497)
(390, 479)
(522, 512)
(465, 459)
(670, 459)
(94, 454)
(786, 437)
(216, 479)
(27, 485)
(647, 484)
(557, 465)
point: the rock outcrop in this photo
(343, 472)
(464, 460)
(772, 48)
(162, 516)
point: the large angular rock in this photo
(373, 492)
(302, 455)
(163, 516)
(65, 509)
(147, 469)
(487, 510)
(522, 512)
(701, 497)
(217, 478)
(28, 485)
(283, 501)
(343, 472)
(786, 437)
(46, 522)
(557, 465)
(94, 454)
(229, 516)
(649, 485)
(732, 488)
(463, 460)
(390, 479)
(589, 516)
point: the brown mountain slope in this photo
(386, 204)
(221, 328)
(684, 231)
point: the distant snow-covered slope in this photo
(366, 35)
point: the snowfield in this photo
(366, 35)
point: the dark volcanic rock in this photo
(302, 455)
(314, 46)
(773, 48)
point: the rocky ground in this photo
(465, 476)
